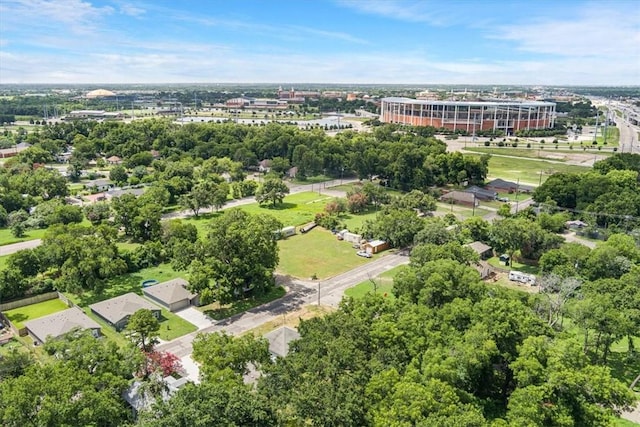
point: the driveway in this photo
(15, 247)
(195, 316)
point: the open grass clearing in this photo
(381, 284)
(620, 422)
(296, 209)
(354, 222)
(18, 316)
(525, 268)
(125, 283)
(318, 253)
(172, 326)
(218, 312)
(526, 170)
(7, 238)
(561, 154)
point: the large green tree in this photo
(272, 190)
(238, 256)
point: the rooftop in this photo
(171, 291)
(60, 323)
(280, 338)
(118, 308)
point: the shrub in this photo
(500, 144)
(615, 149)
(487, 143)
(542, 141)
(555, 141)
(528, 145)
(514, 144)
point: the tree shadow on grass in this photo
(280, 206)
(625, 368)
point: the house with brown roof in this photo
(460, 198)
(114, 160)
(375, 246)
(502, 186)
(116, 311)
(173, 295)
(56, 324)
(484, 251)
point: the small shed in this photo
(172, 294)
(375, 246)
(504, 258)
(352, 237)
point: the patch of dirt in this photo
(291, 319)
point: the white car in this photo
(363, 254)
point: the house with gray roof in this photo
(116, 311)
(279, 340)
(56, 324)
(481, 193)
(172, 295)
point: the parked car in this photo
(503, 199)
(364, 254)
(356, 246)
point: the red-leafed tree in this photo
(161, 362)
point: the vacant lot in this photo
(527, 171)
(18, 316)
(382, 284)
(297, 209)
(317, 252)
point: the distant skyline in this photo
(542, 42)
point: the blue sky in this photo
(536, 42)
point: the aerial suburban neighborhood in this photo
(434, 241)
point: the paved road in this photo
(15, 247)
(628, 136)
(300, 293)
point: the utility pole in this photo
(517, 189)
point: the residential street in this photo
(15, 247)
(300, 293)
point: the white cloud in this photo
(593, 31)
(131, 10)
(77, 15)
(403, 10)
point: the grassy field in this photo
(527, 171)
(317, 252)
(6, 238)
(353, 222)
(297, 209)
(219, 312)
(529, 269)
(19, 315)
(613, 136)
(127, 283)
(384, 284)
(561, 154)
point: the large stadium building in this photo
(507, 116)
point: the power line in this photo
(582, 211)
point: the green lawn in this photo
(218, 312)
(19, 315)
(529, 269)
(384, 284)
(127, 246)
(613, 136)
(619, 422)
(127, 283)
(3, 262)
(296, 209)
(561, 154)
(354, 222)
(317, 252)
(172, 326)
(6, 238)
(527, 171)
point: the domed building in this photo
(100, 93)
